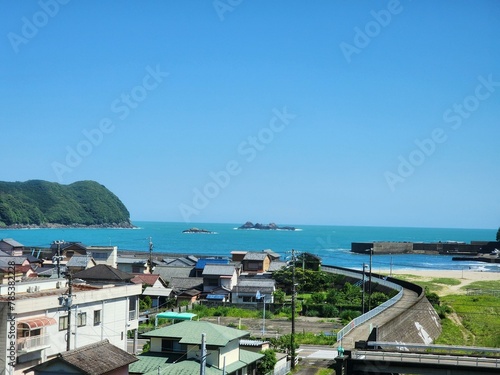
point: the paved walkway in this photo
(363, 331)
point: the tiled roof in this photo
(189, 332)
(265, 286)
(143, 278)
(187, 367)
(94, 359)
(275, 266)
(167, 273)
(219, 270)
(103, 272)
(253, 255)
(125, 260)
(79, 261)
(180, 284)
(148, 362)
(12, 242)
(9, 260)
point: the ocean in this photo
(331, 243)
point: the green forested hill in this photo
(37, 202)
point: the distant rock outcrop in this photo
(197, 230)
(270, 226)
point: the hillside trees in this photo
(37, 202)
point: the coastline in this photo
(465, 278)
(122, 225)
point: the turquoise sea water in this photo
(331, 243)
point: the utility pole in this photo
(69, 303)
(58, 258)
(370, 283)
(292, 336)
(203, 355)
(363, 293)
(150, 255)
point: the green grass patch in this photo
(446, 281)
(484, 285)
(325, 371)
(480, 321)
(308, 338)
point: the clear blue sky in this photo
(329, 112)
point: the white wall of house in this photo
(104, 255)
(118, 306)
(231, 352)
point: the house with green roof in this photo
(177, 348)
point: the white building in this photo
(36, 329)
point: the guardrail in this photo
(372, 313)
(441, 359)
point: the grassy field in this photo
(474, 310)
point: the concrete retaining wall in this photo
(418, 324)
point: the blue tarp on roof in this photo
(201, 263)
(219, 297)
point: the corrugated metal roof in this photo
(189, 332)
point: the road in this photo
(314, 358)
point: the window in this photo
(81, 319)
(63, 323)
(213, 282)
(170, 346)
(96, 255)
(97, 317)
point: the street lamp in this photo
(370, 283)
(363, 294)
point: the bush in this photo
(329, 311)
(348, 315)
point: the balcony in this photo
(31, 344)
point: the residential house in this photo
(178, 348)
(68, 249)
(187, 261)
(79, 263)
(11, 247)
(219, 275)
(104, 274)
(101, 254)
(252, 290)
(40, 318)
(187, 289)
(132, 265)
(200, 265)
(14, 266)
(167, 273)
(256, 262)
(104, 254)
(101, 358)
(155, 287)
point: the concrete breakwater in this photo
(448, 248)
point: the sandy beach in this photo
(465, 277)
